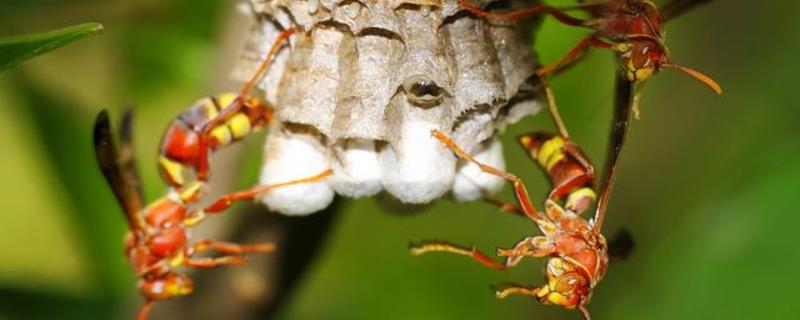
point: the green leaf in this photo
(20, 48)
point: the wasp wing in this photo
(678, 7)
(108, 160)
(127, 161)
(623, 103)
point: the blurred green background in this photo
(708, 185)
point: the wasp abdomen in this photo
(570, 177)
(180, 147)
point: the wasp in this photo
(631, 28)
(577, 251)
(212, 123)
(157, 244)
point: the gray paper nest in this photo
(365, 82)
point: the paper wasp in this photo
(577, 251)
(157, 243)
(631, 28)
(212, 123)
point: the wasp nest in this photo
(365, 82)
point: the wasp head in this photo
(641, 58)
(567, 285)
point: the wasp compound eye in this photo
(422, 91)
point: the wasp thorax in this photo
(422, 91)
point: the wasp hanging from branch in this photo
(577, 251)
(212, 123)
(631, 28)
(157, 244)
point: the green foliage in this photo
(20, 48)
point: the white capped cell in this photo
(290, 156)
(471, 183)
(419, 168)
(356, 171)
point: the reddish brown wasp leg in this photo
(144, 312)
(522, 13)
(250, 194)
(473, 253)
(533, 292)
(526, 291)
(568, 147)
(505, 206)
(233, 248)
(262, 69)
(523, 248)
(519, 187)
(584, 312)
(573, 150)
(235, 107)
(206, 263)
(572, 54)
(553, 108)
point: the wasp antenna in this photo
(262, 69)
(713, 85)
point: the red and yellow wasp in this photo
(157, 243)
(631, 28)
(577, 251)
(212, 123)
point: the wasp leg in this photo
(592, 41)
(473, 253)
(517, 289)
(569, 148)
(237, 105)
(144, 311)
(523, 249)
(505, 206)
(519, 186)
(557, 13)
(226, 201)
(233, 248)
(552, 107)
(205, 263)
